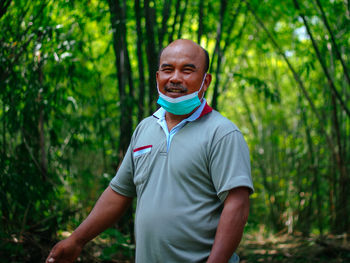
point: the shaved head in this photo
(181, 44)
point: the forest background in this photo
(77, 76)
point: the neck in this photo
(172, 120)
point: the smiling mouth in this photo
(175, 89)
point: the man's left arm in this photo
(231, 225)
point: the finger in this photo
(51, 257)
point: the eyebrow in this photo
(166, 65)
(190, 65)
(186, 65)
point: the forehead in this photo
(180, 53)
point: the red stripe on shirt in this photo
(207, 109)
(141, 148)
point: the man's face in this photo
(181, 69)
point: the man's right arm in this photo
(108, 209)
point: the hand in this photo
(65, 251)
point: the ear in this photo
(207, 81)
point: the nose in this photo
(176, 77)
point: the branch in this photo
(319, 116)
(295, 74)
(23, 47)
(335, 46)
(42, 172)
(320, 59)
(229, 39)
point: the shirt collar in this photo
(202, 110)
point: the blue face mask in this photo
(182, 105)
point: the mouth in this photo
(175, 89)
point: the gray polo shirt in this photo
(180, 187)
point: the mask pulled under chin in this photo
(182, 105)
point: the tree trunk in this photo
(164, 28)
(182, 19)
(4, 144)
(152, 54)
(200, 21)
(314, 171)
(342, 209)
(118, 20)
(101, 126)
(217, 52)
(3, 6)
(220, 52)
(122, 62)
(140, 64)
(43, 159)
(177, 10)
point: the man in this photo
(188, 167)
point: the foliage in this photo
(118, 245)
(77, 76)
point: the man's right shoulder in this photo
(145, 123)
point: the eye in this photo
(188, 70)
(167, 70)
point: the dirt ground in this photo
(288, 248)
(257, 247)
(285, 248)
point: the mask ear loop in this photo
(159, 93)
(202, 86)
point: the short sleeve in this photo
(229, 164)
(123, 182)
